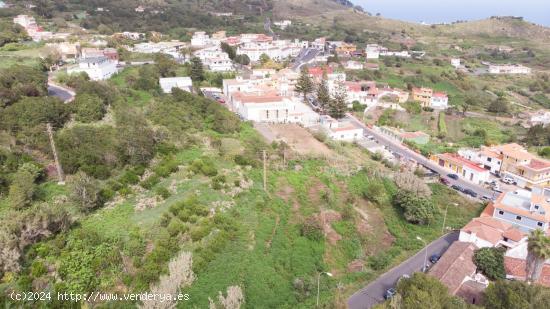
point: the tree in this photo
(538, 251)
(229, 50)
(490, 261)
(304, 85)
(88, 108)
(22, 189)
(538, 135)
(166, 66)
(242, 59)
(323, 95)
(197, 70)
(416, 209)
(136, 142)
(499, 106)
(408, 181)
(84, 191)
(338, 105)
(264, 59)
(423, 291)
(504, 294)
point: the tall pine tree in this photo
(304, 84)
(197, 71)
(323, 95)
(338, 105)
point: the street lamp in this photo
(318, 283)
(426, 254)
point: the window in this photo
(500, 212)
(539, 223)
(536, 206)
(489, 159)
(518, 218)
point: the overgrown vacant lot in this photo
(190, 185)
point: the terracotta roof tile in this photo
(455, 265)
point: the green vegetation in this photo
(441, 126)
(515, 294)
(490, 261)
(422, 289)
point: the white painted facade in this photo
(184, 83)
(99, 68)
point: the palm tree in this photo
(538, 251)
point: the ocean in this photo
(446, 11)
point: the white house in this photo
(183, 83)
(455, 62)
(98, 68)
(541, 117)
(283, 24)
(509, 69)
(353, 65)
(372, 51)
(490, 160)
(215, 59)
(487, 232)
(341, 130)
(439, 100)
(272, 108)
(200, 39)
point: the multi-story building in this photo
(215, 59)
(465, 169)
(200, 39)
(364, 92)
(97, 68)
(429, 98)
(524, 209)
(487, 231)
(345, 49)
(422, 95)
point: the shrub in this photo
(163, 192)
(311, 229)
(416, 209)
(491, 262)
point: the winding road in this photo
(373, 293)
(65, 94)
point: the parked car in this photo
(444, 181)
(486, 198)
(434, 258)
(390, 293)
(470, 192)
(425, 268)
(496, 188)
(457, 188)
(453, 176)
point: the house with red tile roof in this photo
(457, 271)
(524, 209)
(464, 168)
(491, 232)
(341, 130)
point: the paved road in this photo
(373, 293)
(56, 91)
(406, 153)
(304, 57)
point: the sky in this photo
(436, 11)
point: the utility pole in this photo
(265, 169)
(444, 219)
(55, 157)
